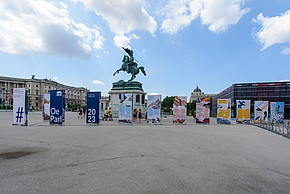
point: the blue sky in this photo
(181, 43)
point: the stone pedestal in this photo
(134, 88)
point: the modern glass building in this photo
(266, 91)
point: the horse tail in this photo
(143, 70)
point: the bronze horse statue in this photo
(130, 66)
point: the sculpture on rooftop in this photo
(129, 65)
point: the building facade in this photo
(197, 93)
(105, 103)
(36, 89)
(266, 91)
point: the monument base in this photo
(135, 88)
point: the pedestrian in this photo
(140, 115)
(135, 113)
(80, 113)
(84, 111)
(110, 114)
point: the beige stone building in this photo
(36, 89)
(197, 93)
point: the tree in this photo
(167, 104)
(191, 107)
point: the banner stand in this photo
(57, 111)
(202, 115)
(224, 111)
(179, 110)
(20, 106)
(125, 108)
(154, 109)
(93, 108)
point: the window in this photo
(138, 98)
(143, 99)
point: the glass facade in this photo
(267, 91)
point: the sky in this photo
(180, 43)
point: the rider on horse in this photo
(130, 62)
(129, 65)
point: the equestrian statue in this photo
(129, 65)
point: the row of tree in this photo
(167, 105)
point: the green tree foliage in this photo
(191, 107)
(167, 104)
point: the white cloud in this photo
(98, 82)
(286, 51)
(55, 78)
(217, 14)
(275, 30)
(179, 14)
(122, 16)
(284, 80)
(36, 26)
(123, 41)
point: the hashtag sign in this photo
(19, 114)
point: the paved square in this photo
(140, 158)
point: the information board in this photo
(154, 109)
(93, 107)
(20, 106)
(46, 106)
(277, 112)
(224, 111)
(202, 110)
(243, 111)
(57, 111)
(261, 111)
(179, 109)
(125, 108)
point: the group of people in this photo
(108, 115)
(137, 115)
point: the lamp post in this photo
(6, 99)
(2, 98)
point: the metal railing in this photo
(279, 128)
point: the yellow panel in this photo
(243, 114)
(222, 101)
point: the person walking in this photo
(110, 114)
(140, 115)
(80, 113)
(135, 113)
(84, 111)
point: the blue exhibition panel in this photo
(93, 107)
(57, 103)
